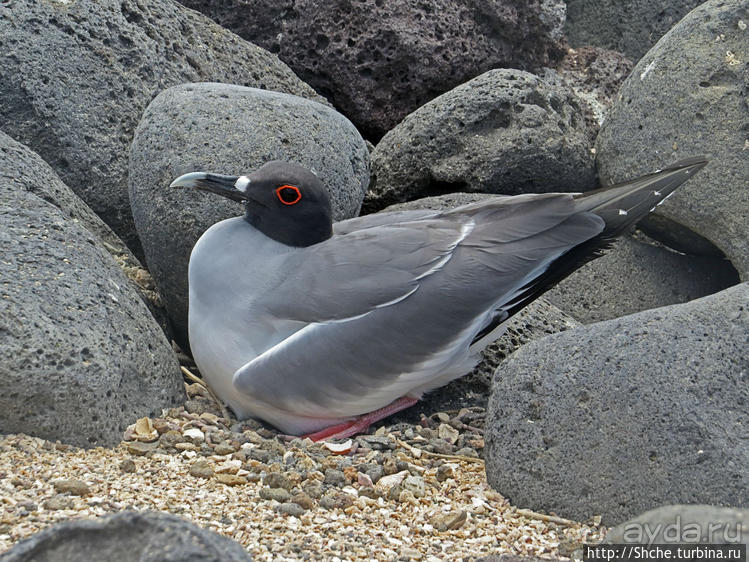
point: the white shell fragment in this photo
(339, 448)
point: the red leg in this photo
(360, 424)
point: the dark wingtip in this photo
(624, 204)
(696, 162)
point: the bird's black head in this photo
(283, 200)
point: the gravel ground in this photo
(405, 491)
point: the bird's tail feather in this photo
(623, 205)
(620, 206)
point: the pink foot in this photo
(360, 424)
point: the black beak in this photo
(231, 187)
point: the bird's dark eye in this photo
(288, 194)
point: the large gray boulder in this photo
(230, 130)
(626, 415)
(687, 97)
(637, 275)
(379, 61)
(80, 355)
(627, 26)
(506, 131)
(26, 169)
(128, 536)
(76, 77)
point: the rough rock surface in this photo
(77, 75)
(128, 536)
(622, 416)
(636, 275)
(687, 97)
(230, 130)
(80, 355)
(594, 74)
(704, 524)
(628, 26)
(378, 61)
(506, 131)
(23, 166)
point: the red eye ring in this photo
(294, 201)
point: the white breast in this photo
(231, 266)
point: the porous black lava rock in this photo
(230, 130)
(378, 61)
(128, 536)
(506, 131)
(628, 26)
(80, 355)
(687, 97)
(76, 77)
(626, 415)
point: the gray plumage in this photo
(306, 328)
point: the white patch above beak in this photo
(242, 183)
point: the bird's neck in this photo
(292, 232)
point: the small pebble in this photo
(202, 469)
(377, 442)
(253, 477)
(368, 492)
(467, 452)
(387, 483)
(375, 472)
(230, 479)
(303, 500)
(291, 509)
(442, 417)
(139, 449)
(128, 465)
(428, 433)
(406, 496)
(277, 480)
(364, 480)
(71, 486)
(169, 439)
(313, 489)
(279, 494)
(59, 501)
(260, 455)
(335, 499)
(334, 477)
(389, 466)
(445, 472)
(161, 425)
(225, 448)
(228, 467)
(199, 405)
(28, 506)
(441, 446)
(448, 521)
(415, 485)
(448, 433)
(194, 435)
